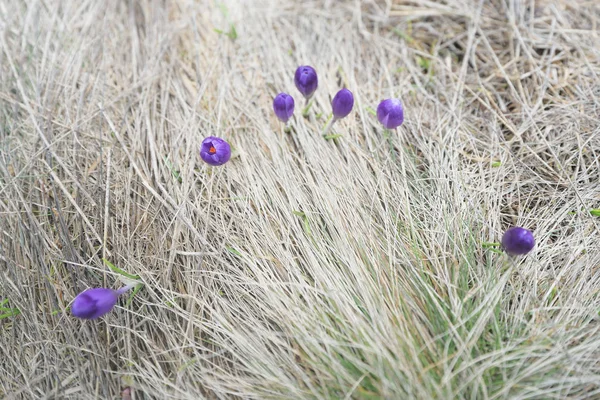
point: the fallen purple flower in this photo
(96, 302)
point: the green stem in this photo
(309, 103)
(329, 124)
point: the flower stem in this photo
(330, 121)
(309, 103)
(124, 289)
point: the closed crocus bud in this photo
(215, 151)
(94, 303)
(306, 80)
(283, 105)
(342, 104)
(518, 241)
(390, 113)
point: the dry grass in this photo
(304, 268)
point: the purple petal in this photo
(342, 103)
(283, 105)
(306, 80)
(94, 303)
(390, 113)
(518, 241)
(215, 151)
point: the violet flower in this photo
(390, 113)
(306, 80)
(94, 303)
(342, 104)
(215, 151)
(283, 105)
(518, 241)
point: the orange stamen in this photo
(212, 150)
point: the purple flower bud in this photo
(390, 113)
(215, 151)
(342, 103)
(283, 105)
(94, 303)
(306, 80)
(516, 241)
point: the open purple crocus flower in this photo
(283, 105)
(215, 151)
(342, 104)
(390, 113)
(518, 241)
(94, 303)
(306, 80)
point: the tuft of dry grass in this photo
(304, 268)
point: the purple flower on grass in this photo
(342, 104)
(215, 151)
(517, 241)
(94, 303)
(283, 105)
(390, 113)
(306, 80)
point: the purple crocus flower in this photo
(342, 104)
(390, 113)
(215, 151)
(94, 303)
(306, 80)
(517, 241)
(283, 105)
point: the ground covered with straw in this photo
(362, 265)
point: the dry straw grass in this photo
(304, 268)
